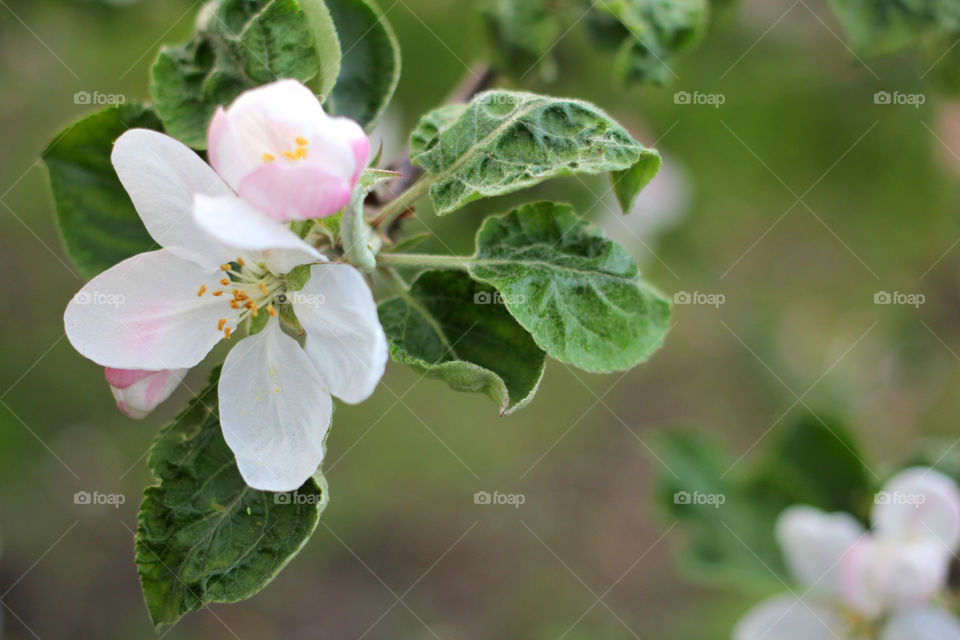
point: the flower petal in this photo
(344, 338)
(919, 502)
(789, 618)
(885, 574)
(298, 191)
(138, 392)
(274, 410)
(814, 543)
(162, 175)
(144, 313)
(238, 225)
(922, 624)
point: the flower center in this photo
(246, 289)
(299, 154)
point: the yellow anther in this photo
(271, 310)
(203, 289)
(262, 287)
(241, 262)
(234, 304)
(301, 153)
(302, 141)
(268, 158)
(254, 309)
(217, 293)
(221, 324)
(225, 281)
(224, 267)
(226, 333)
(288, 155)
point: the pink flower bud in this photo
(277, 148)
(138, 392)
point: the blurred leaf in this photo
(239, 45)
(370, 68)
(99, 224)
(812, 461)
(879, 27)
(647, 35)
(504, 141)
(523, 32)
(205, 536)
(577, 293)
(451, 328)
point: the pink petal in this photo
(295, 191)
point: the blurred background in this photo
(797, 200)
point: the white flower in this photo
(138, 392)
(278, 149)
(222, 261)
(857, 584)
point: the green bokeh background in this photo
(403, 467)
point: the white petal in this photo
(144, 313)
(162, 176)
(789, 618)
(237, 224)
(139, 392)
(884, 574)
(814, 543)
(344, 337)
(922, 624)
(274, 410)
(919, 502)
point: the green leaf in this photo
(239, 45)
(370, 69)
(647, 35)
(812, 460)
(449, 327)
(504, 141)
(523, 32)
(356, 235)
(203, 535)
(879, 27)
(98, 222)
(577, 293)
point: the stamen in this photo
(221, 324)
(217, 293)
(225, 267)
(263, 288)
(301, 153)
(226, 333)
(268, 158)
(271, 310)
(234, 304)
(203, 289)
(302, 141)
(253, 308)
(288, 155)
(241, 262)
(225, 282)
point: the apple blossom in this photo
(859, 584)
(222, 263)
(138, 392)
(277, 148)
